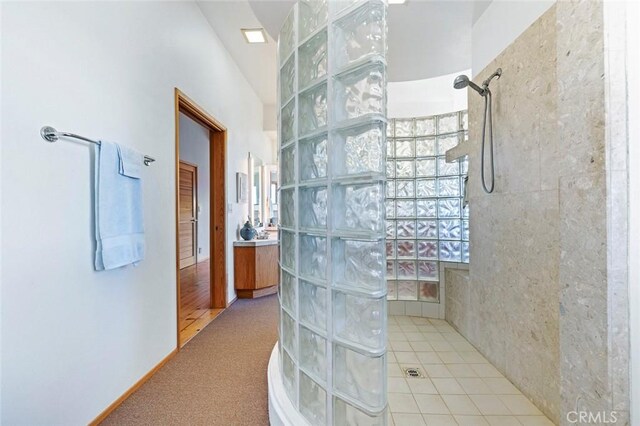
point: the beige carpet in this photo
(218, 378)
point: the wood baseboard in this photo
(254, 293)
(115, 404)
(232, 301)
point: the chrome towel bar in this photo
(50, 134)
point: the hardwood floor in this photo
(195, 300)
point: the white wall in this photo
(499, 26)
(194, 148)
(633, 112)
(73, 340)
(420, 98)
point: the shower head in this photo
(463, 81)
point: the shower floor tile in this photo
(458, 385)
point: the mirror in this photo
(271, 174)
(255, 192)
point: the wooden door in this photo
(187, 220)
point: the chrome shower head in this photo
(463, 81)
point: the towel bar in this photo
(50, 134)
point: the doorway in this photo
(200, 218)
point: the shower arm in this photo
(497, 74)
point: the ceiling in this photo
(426, 38)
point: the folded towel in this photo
(118, 210)
(130, 162)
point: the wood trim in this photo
(187, 106)
(115, 404)
(218, 202)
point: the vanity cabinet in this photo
(256, 268)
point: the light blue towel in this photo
(119, 226)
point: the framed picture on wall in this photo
(241, 187)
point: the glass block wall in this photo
(332, 139)
(426, 222)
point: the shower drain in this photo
(412, 373)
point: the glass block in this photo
(465, 120)
(287, 121)
(392, 289)
(450, 251)
(289, 374)
(359, 264)
(391, 229)
(391, 270)
(405, 189)
(289, 334)
(286, 41)
(287, 79)
(390, 189)
(405, 208)
(313, 207)
(406, 269)
(429, 291)
(390, 147)
(312, 15)
(448, 123)
(288, 249)
(313, 401)
(313, 109)
(313, 158)
(312, 60)
(405, 148)
(445, 143)
(360, 92)
(391, 169)
(313, 304)
(464, 166)
(449, 229)
(287, 165)
(426, 147)
(288, 291)
(359, 320)
(407, 290)
(390, 249)
(448, 169)
(425, 126)
(313, 354)
(390, 209)
(404, 128)
(359, 150)
(449, 207)
(405, 169)
(426, 167)
(427, 229)
(360, 33)
(390, 128)
(426, 208)
(449, 187)
(406, 229)
(287, 207)
(313, 257)
(427, 270)
(465, 252)
(425, 188)
(346, 414)
(359, 208)
(359, 376)
(465, 230)
(406, 249)
(427, 249)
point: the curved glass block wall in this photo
(332, 139)
(426, 221)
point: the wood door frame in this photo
(217, 203)
(194, 201)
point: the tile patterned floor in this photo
(459, 387)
